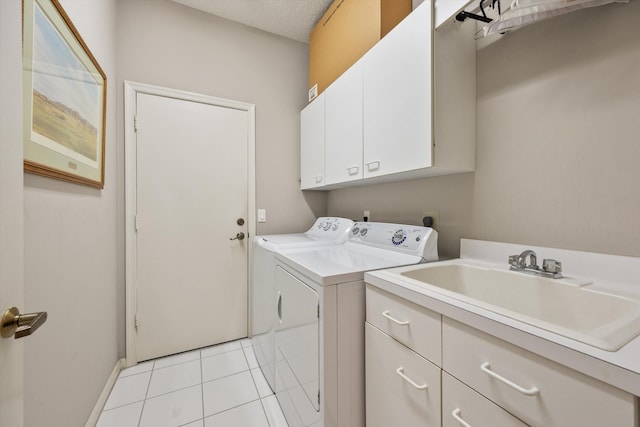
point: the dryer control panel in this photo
(330, 227)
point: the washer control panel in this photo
(411, 239)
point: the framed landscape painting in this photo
(64, 99)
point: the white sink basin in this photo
(562, 306)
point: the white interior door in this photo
(192, 199)
(11, 208)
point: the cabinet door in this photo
(461, 404)
(343, 153)
(397, 98)
(402, 388)
(312, 144)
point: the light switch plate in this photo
(262, 215)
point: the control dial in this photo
(398, 237)
(327, 226)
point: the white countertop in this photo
(614, 274)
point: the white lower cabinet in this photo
(537, 390)
(402, 388)
(485, 381)
(465, 407)
(405, 322)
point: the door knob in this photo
(28, 323)
(239, 236)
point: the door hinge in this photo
(318, 397)
(318, 311)
(135, 123)
(136, 222)
(135, 321)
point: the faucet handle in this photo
(552, 266)
(513, 260)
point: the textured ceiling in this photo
(293, 19)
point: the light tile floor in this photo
(215, 386)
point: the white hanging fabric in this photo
(524, 12)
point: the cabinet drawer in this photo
(459, 402)
(538, 391)
(402, 388)
(414, 326)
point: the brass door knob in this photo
(20, 325)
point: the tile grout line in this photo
(153, 366)
(264, 411)
(202, 387)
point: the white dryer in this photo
(321, 315)
(325, 231)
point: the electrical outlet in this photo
(436, 218)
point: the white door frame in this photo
(131, 89)
(12, 209)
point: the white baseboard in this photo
(102, 399)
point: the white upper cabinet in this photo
(405, 110)
(397, 98)
(312, 137)
(343, 127)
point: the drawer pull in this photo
(373, 166)
(394, 320)
(456, 416)
(528, 391)
(400, 371)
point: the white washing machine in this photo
(321, 314)
(325, 231)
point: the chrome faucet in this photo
(533, 260)
(550, 267)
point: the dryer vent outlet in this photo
(436, 218)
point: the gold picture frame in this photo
(64, 98)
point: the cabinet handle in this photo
(394, 320)
(280, 307)
(353, 170)
(456, 416)
(373, 166)
(527, 391)
(318, 179)
(400, 371)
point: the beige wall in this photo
(558, 143)
(70, 264)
